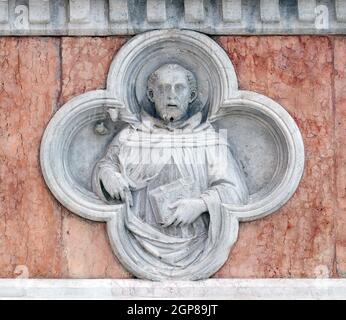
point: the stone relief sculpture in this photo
(148, 164)
(172, 156)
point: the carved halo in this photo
(263, 135)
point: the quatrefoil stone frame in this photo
(261, 131)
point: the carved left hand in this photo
(188, 210)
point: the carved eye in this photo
(161, 89)
(179, 88)
(168, 87)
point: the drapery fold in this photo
(146, 157)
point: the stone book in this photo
(164, 196)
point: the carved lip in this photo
(172, 105)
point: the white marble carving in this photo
(39, 11)
(118, 11)
(156, 11)
(306, 10)
(129, 17)
(3, 11)
(79, 11)
(194, 10)
(230, 289)
(270, 11)
(172, 126)
(340, 9)
(231, 11)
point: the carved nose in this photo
(171, 100)
(171, 93)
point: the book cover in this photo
(162, 197)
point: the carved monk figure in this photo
(168, 170)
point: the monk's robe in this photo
(150, 155)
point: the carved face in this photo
(171, 88)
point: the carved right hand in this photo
(116, 186)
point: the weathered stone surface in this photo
(130, 17)
(213, 289)
(87, 250)
(85, 64)
(340, 152)
(299, 241)
(30, 218)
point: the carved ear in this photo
(150, 95)
(193, 96)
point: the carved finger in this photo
(177, 222)
(174, 204)
(124, 183)
(122, 196)
(111, 193)
(116, 195)
(169, 222)
(183, 223)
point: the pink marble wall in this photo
(340, 152)
(298, 241)
(307, 238)
(87, 251)
(30, 218)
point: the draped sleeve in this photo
(226, 177)
(226, 185)
(109, 163)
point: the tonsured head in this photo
(172, 88)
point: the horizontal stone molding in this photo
(254, 289)
(125, 17)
